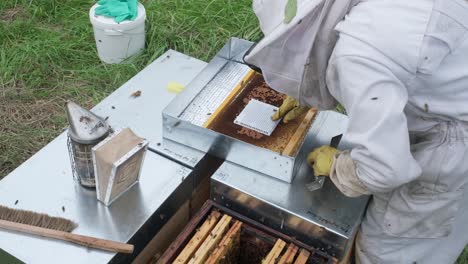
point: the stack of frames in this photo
(216, 234)
(280, 254)
(214, 242)
(218, 241)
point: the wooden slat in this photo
(211, 241)
(186, 234)
(229, 240)
(301, 131)
(303, 257)
(229, 98)
(200, 236)
(288, 256)
(275, 252)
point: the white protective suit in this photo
(400, 69)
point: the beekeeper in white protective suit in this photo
(400, 69)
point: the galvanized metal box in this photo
(325, 218)
(185, 119)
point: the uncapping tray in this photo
(202, 117)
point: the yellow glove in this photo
(321, 159)
(290, 110)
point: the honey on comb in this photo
(255, 88)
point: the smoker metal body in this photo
(184, 117)
(325, 218)
(86, 129)
(81, 161)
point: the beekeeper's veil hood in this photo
(299, 39)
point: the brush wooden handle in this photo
(74, 238)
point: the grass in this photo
(463, 259)
(48, 55)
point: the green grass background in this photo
(48, 55)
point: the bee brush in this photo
(54, 227)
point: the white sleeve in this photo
(344, 176)
(374, 99)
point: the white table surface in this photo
(44, 183)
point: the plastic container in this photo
(117, 41)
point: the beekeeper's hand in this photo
(289, 110)
(321, 159)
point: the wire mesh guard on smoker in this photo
(257, 116)
(85, 131)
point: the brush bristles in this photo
(36, 219)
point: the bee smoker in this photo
(85, 131)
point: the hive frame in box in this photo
(117, 166)
(184, 118)
(186, 234)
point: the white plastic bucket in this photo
(117, 41)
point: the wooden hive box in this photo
(217, 235)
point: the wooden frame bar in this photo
(211, 241)
(227, 243)
(275, 252)
(200, 236)
(288, 256)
